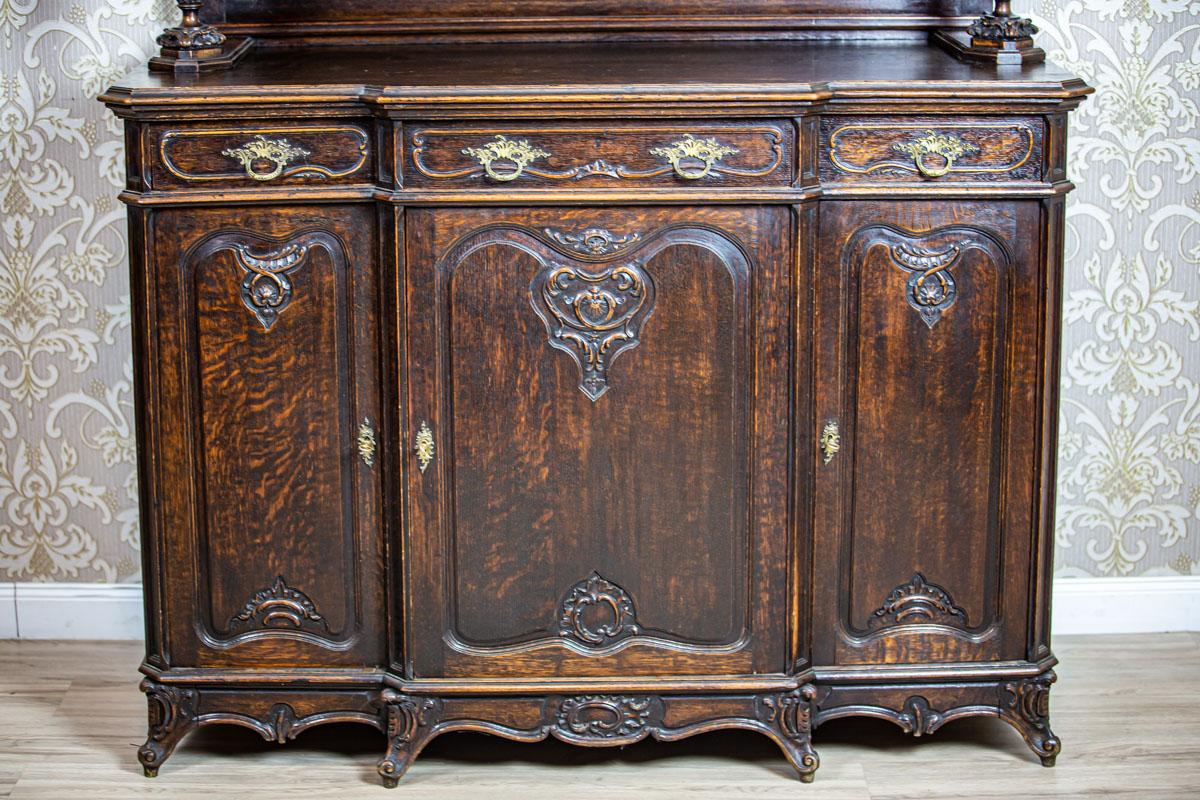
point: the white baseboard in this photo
(1126, 605)
(8, 611)
(78, 610)
(1081, 605)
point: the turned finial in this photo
(193, 46)
(1002, 30)
(192, 39)
(999, 36)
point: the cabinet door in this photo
(598, 403)
(928, 320)
(263, 332)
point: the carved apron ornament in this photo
(593, 315)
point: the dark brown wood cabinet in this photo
(596, 373)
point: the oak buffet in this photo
(596, 370)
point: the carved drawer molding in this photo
(262, 156)
(611, 156)
(864, 150)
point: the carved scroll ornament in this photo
(597, 612)
(595, 315)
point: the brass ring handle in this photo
(518, 153)
(518, 168)
(933, 172)
(688, 153)
(682, 170)
(275, 172)
(279, 152)
(942, 145)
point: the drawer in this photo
(334, 153)
(868, 150)
(607, 154)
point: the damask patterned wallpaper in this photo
(1130, 464)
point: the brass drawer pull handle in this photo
(830, 441)
(278, 152)
(424, 446)
(514, 155)
(944, 146)
(367, 444)
(692, 158)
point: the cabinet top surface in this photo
(609, 72)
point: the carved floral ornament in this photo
(593, 241)
(931, 287)
(604, 717)
(266, 289)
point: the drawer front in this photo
(884, 150)
(610, 155)
(334, 153)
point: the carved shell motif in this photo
(279, 606)
(918, 602)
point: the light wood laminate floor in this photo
(1126, 707)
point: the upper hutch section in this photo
(552, 19)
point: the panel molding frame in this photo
(204, 622)
(853, 260)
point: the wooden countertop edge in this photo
(664, 94)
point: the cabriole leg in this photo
(410, 721)
(1026, 706)
(172, 714)
(790, 716)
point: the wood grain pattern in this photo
(265, 420)
(676, 405)
(955, 400)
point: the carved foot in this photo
(409, 723)
(1026, 706)
(790, 717)
(172, 714)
